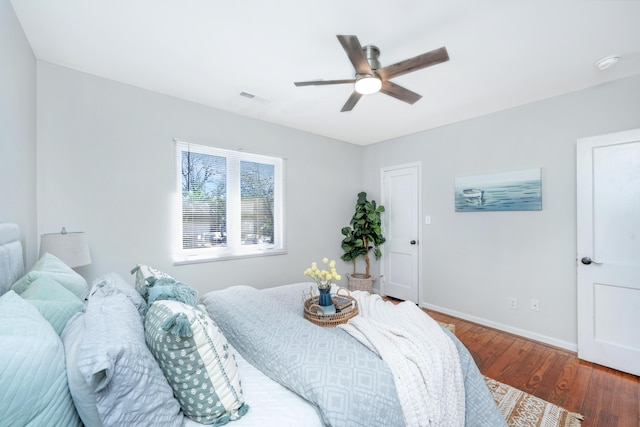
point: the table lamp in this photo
(71, 248)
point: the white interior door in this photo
(400, 260)
(608, 203)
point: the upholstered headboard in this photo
(11, 261)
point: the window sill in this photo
(200, 258)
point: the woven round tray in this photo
(329, 320)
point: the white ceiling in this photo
(503, 53)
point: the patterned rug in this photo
(521, 409)
(449, 326)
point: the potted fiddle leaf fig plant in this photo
(363, 235)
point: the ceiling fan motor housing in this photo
(372, 53)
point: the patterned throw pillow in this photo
(195, 359)
(146, 276)
(154, 285)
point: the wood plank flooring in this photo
(606, 397)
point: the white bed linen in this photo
(270, 404)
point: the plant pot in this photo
(360, 282)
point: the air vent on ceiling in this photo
(255, 98)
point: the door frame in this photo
(588, 348)
(418, 166)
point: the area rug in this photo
(521, 409)
(449, 326)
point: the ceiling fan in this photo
(370, 78)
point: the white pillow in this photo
(116, 281)
(130, 388)
(196, 360)
(82, 389)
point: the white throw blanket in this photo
(423, 359)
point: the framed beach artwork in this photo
(507, 191)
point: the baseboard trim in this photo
(503, 327)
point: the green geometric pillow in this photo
(50, 266)
(54, 302)
(195, 358)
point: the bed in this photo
(153, 353)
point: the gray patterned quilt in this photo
(348, 384)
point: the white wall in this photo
(473, 261)
(106, 166)
(17, 130)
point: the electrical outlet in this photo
(535, 304)
(513, 303)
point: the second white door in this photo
(609, 250)
(401, 223)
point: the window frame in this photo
(234, 249)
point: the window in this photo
(231, 204)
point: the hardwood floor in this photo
(606, 397)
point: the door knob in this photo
(586, 261)
(413, 242)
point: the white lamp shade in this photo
(70, 248)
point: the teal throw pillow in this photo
(171, 289)
(51, 267)
(54, 302)
(34, 388)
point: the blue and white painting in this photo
(507, 191)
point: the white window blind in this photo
(231, 203)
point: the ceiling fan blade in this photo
(324, 82)
(398, 92)
(352, 46)
(419, 62)
(351, 102)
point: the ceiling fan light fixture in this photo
(368, 84)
